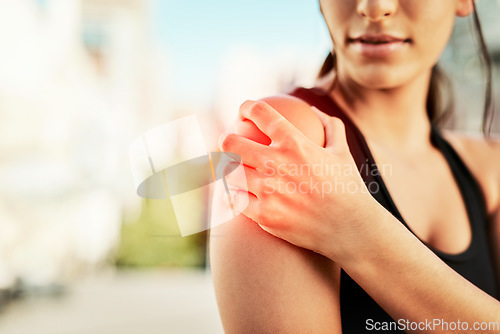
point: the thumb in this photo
(334, 129)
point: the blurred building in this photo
(77, 82)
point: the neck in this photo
(395, 118)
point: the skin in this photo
(295, 111)
(254, 272)
(264, 282)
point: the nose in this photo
(377, 10)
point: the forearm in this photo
(409, 281)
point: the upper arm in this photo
(266, 285)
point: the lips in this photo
(378, 46)
(378, 39)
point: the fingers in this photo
(250, 151)
(268, 120)
(321, 115)
(334, 129)
(245, 178)
(247, 129)
(246, 204)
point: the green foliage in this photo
(154, 240)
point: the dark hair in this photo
(440, 108)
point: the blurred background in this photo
(80, 252)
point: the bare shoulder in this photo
(484, 152)
(264, 284)
(482, 156)
(295, 110)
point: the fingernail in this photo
(247, 102)
(221, 139)
(315, 109)
(321, 115)
(237, 202)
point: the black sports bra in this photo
(475, 263)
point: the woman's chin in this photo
(380, 79)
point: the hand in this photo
(310, 196)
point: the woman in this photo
(351, 247)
